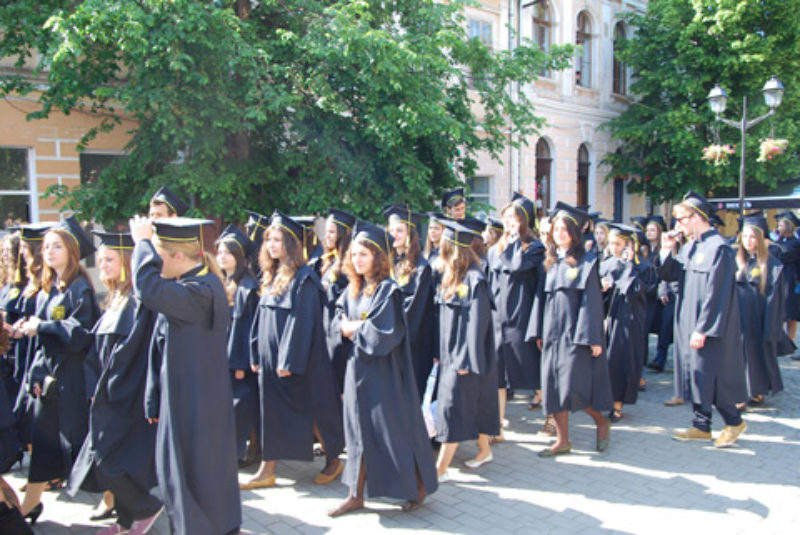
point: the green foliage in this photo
(681, 49)
(297, 104)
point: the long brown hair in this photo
(192, 250)
(231, 280)
(33, 272)
(118, 290)
(380, 271)
(429, 245)
(74, 268)
(525, 235)
(13, 273)
(276, 275)
(333, 258)
(457, 262)
(762, 258)
(408, 264)
(576, 249)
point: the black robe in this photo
(762, 324)
(334, 286)
(708, 304)
(571, 321)
(10, 372)
(24, 351)
(120, 446)
(467, 404)
(60, 425)
(195, 440)
(245, 391)
(790, 258)
(626, 306)
(287, 335)
(10, 445)
(382, 416)
(514, 278)
(418, 293)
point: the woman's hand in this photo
(284, 373)
(152, 420)
(31, 327)
(141, 228)
(238, 374)
(596, 350)
(255, 368)
(349, 327)
(462, 372)
(37, 390)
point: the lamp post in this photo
(718, 100)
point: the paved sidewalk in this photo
(644, 483)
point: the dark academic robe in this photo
(790, 257)
(571, 321)
(708, 304)
(762, 324)
(626, 306)
(382, 416)
(59, 425)
(24, 351)
(654, 306)
(10, 445)
(334, 286)
(195, 440)
(680, 343)
(418, 293)
(287, 335)
(8, 374)
(514, 277)
(314, 260)
(245, 391)
(467, 404)
(118, 453)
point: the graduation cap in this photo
(473, 224)
(789, 216)
(437, 217)
(453, 196)
(458, 234)
(699, 204)
(403, 213)
(527, 206)
(84, 242)
(180, 229)
(288, 224)
(119, 241)
(631, 233)
(495, 224)
(234, 234)
(32, 231)
(716, 221)
(256, 224)
(584, 207)
(573, 213)
(639, 222)
(657, 220)
(364, 231)
(166, 196)
(755, 220)
(343, 219)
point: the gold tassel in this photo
(122, 271)
(253, 234)
(18, 272)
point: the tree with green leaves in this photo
(297, 104)
(680, 50)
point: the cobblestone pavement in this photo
(644, 483)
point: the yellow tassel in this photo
(122, 273)
(18, 273)
(253, 234)
(408, 238)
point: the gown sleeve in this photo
(240, 332)
(73, 334)
(296, 340)
(589, 326)
(383, 328)
(479, 323)
(515, 260)
(715, 304)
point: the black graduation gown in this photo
(24, 352)
(382, 416)
(418, 294)
(790, 257)
(195, 440)
(245, 391)
(59, 425)
(337, 351)
(8, 367)
(762, 324)
(467, 404)
(120, 446)
(571, 321)
(514, 278)
(626, 306)
(708, 305)
(10, 445)
(287, 335)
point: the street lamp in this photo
(718, 101)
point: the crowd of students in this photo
(196, 365)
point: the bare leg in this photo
(484, 449)
(355, 501)
(446, 453)
(265, 471)
(108, 500)
(501, 404)
(33, 495)
(600, 422)
(791, 328)
(331, 465)
(561, 421)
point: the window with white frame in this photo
(15, 194)
(480, 190)
(542, 29)
(620, 84)
(583, 61)
(480, 29)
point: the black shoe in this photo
(658, 368)
(34, 514)
(615, 416)
(104, 515)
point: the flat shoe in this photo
(444, 478)
(258, 483)
(674, 402)
(472, 463)
(323, 478)
(549, 452)
(411, 505)
(497, 440)
(104, 515)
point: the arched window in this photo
(620, 70)
(583, 175)
(544, 166)
(542, 28)
(583, 62)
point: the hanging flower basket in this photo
(718, 154)
(771, 147)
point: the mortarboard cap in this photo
(699, 204)
(232, 233)
(403, 213)
(32, 231)
(180, 229)
(576, 215)
(756, 220)
(657, 220)
(343, 219)
(639, 222)
(287, 223)
(453, 196)
(256, 225)
(458, 234)
(526, 205)
(495, 224)
(363, 231)
(437, 217)
(121, 241)
(789, 216)
(627, 231)
(473, 224)
(169, 198)
(716, 221)
(82, 239)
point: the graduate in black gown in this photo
(118, 453)
(388, 450)
(165, 203)
(415, 278)
(622, 277)
(233, 249)
(66, 311)
(338, 231)
(514, 267)
(290, 355)
(762, 299)
(10, 444)
(467, 399)
(454, 203)
(790, 257)
(13, 279)
(708, 315)
(255, 227)
(492, 232)
(192, 402)
(312, 250)
(433, 236)
(569, 325)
